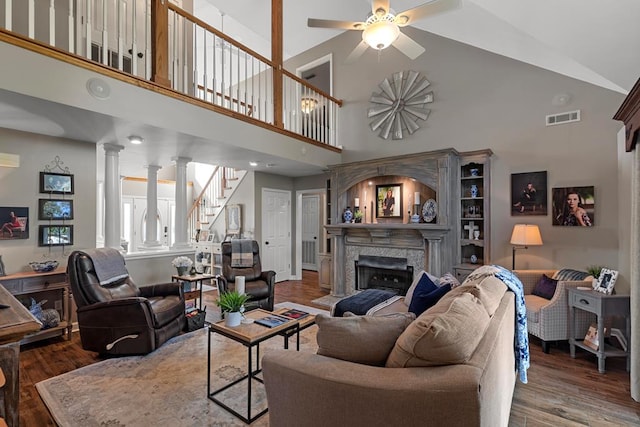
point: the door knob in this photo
(266, 243)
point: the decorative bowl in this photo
(44, 266)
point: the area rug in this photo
(165, 388)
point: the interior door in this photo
(276, 233)
(310, 231)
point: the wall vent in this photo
(561, 118)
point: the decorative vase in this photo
(474, 190)
(233, 319)
(415, 218)
(182, 270)
(347, 215)
(193, 271)
(474, 259)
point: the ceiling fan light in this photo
(379, 35)
(307, 105)
(402, 19)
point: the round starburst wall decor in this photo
(403, 101)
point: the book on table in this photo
(292, 313)
(272, 321)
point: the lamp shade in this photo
(526, 235)
(379, 35)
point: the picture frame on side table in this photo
(389, 201)
(56, 183)
(606, 281)
(55, 235)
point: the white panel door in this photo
(310, 231)
(276, 233)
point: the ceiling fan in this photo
(382, 26)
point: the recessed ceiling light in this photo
(98, 88)
(254, 164)
(136, 140)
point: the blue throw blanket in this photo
(109, 264)
(521, 342)
(241, 253)
(361, 302)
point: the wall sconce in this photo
(307, 105)
(524, 235)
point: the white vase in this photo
(233, 319)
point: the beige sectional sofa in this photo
(452, 366)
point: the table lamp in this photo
(524, 235)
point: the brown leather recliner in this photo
(120, 318)
(259, 285)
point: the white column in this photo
(151, 241)
(181, 235)
(635, 277)
(112, 196)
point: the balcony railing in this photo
(160, 42)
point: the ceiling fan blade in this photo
(329, 23)
(409, 17)
(408, 46)
(380, 4)
(356, 53)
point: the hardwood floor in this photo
(561, 391)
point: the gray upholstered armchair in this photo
(549, 319)
(258, 284)
(119, 318)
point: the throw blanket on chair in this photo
(361, 302)
(109, 265)
(515, 285)
(241, 253)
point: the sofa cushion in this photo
(546, 287)
(448, 333)
(534, 303)
(570, 274)
(424, 298)
(409, 295)
(360, 339)
(489, 291)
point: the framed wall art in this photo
(14, 223)
(573, 206)
(233, 220)
(55, 209)
(55, 235)
(529, 193)
(389, 199)
(56, 183)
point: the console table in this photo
(602, 306)
(52, 286)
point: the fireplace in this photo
(387, 273)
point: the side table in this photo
(197, 279)
(249, 335)
(602, 306)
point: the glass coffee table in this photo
(251, 335)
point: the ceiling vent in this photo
(561, 118)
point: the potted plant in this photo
(595, 270)
(182, 264)
(232, 303)
(357, 216)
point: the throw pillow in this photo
(450, 279)
(570, 274)
(360, 339)
(426, 297)
(546, 287)
(414, 284)
(446, 335)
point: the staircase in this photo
(210, 203)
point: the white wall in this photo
(484, 100)
(19, 187)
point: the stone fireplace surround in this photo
(426, 246)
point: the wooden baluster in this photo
(160, 42)
(8, 14)
(105, 32)
(70, 28)
(31, 19)
(52, 23)
(88, 28)
(277, 57)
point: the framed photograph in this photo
(56, 183)
(606, 281)
(233, 220)
(591, 339)
(389, 199)
(55, 235)
(55, 209)
(210, 237)
(573, 206)
(529, 193)
(14, 223)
